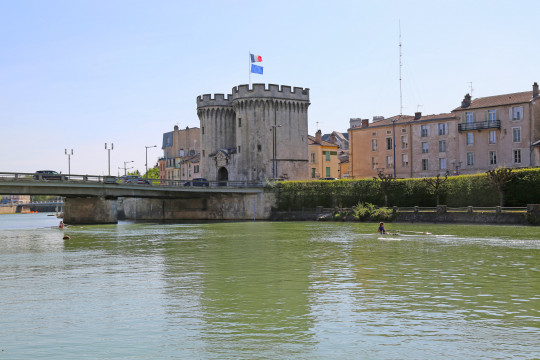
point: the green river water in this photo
(267, 290)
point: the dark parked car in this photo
(329, 179)
(197, 182)
(47, 175)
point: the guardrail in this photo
(123, 180)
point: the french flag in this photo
(255, 58)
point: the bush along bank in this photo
(500, 187)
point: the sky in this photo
(79, 74)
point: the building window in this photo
(202, 129)
(425, 164)
(203, 153)
(327, 172)
(492, 115)
(373, 144)
(313, 158)
(388, 143)
(469, 117)
(404, 130)
(492, 137)
(181, 152)
(470, 138)
(425, 147)
(517, 156)
(492, 158)
(442, 146)
(470, 159)
(388, 132)
(259, 148)
(404, 142)
(442, 129)
(239, 122)
(389, 161)
(516, 134)
(196, 169)
(373, 134)
(373, 163)
(442, 163)
(424, 131)
(239, 148)
(404, 160)
(517, 113)
(313, 170)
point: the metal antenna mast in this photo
(471, 88)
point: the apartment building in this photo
(481, 134)
(499, 131)
(181, 154)
(323, 158)
(403, 145)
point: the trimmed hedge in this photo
(457, 191)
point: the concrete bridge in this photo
(93, 199)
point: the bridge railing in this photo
(125, 180)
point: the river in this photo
(267, 290)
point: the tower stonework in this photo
(237, 133)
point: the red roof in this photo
(498, 100)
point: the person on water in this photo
(61, 226)
(381, 228)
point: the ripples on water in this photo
(267, 291)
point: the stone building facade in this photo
(323, 158)
(412, 146)
(499, 131)
(254, 134)
(481, 134)
(181, 149)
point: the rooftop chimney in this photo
(535, 90)
(318, 136)
(175, 127)
(466, 101)
(365, 123)
(417, 115)
(332, 138)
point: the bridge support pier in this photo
(90, 210)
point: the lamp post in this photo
(109, 150)
(394, 143)
(69, 153)
(125, 166)
(274, 150)
(146, 163)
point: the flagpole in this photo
(249, 68)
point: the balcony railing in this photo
(479, 125)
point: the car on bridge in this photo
(48, 175)
(134, 179)
(197, 182)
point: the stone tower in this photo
(255, 134)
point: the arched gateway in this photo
(223, 174)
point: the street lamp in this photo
(125, 166)
(146, 164)
(69, 153)
(109, 150)
(394, 143)
(274, 151)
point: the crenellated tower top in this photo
(260, 91)
(218, 100)
(273, 91)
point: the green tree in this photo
(153, 173)
(386, 183)
(436, 185)
(501, 178)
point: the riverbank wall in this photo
(440, 214)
